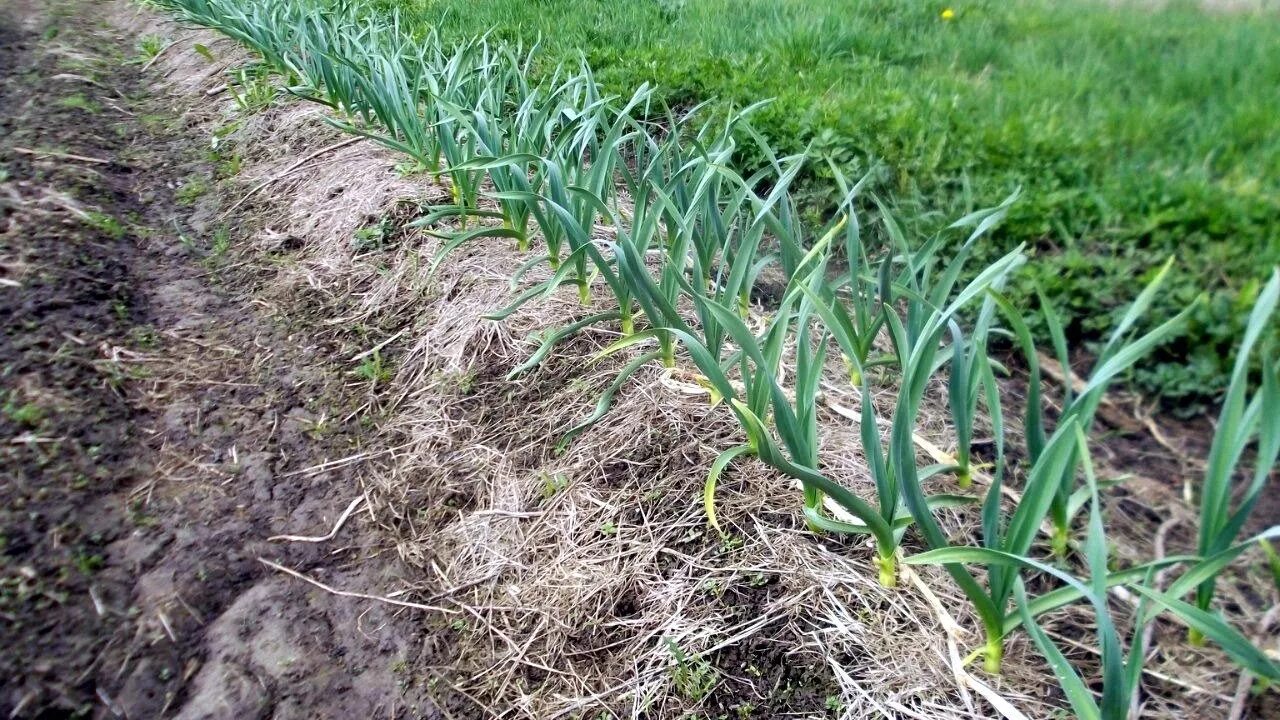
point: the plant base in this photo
(1061, 542)
(993, 656)
(888, 571)
(1195, 637)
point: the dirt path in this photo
(156, 430)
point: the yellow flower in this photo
(948, 14)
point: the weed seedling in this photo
(78, 102)
(190, 191)
(372, 237)
(408, 168)
(105, 224)
(252, 91)
(552, 484)
(695, 678)
(27, 414)
(373, 370)
(220, 244)
(149, 46)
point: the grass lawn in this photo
(1134, 133)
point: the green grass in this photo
(1135, 134)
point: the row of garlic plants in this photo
(655, 215)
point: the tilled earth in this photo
(156, 430)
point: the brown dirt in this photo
(157, 429)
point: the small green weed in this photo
(466, 382)
(27, 414)
(714, 588)
(372, 237)
(191, 190)
(149, 46)
(252, 89)
(372, 369)
(145, 336)
(105, 224)
(220, 243)
(407, 168)
(79, 102)
(730, 543)
(552, 484)
(155, 122)
(88, 564)
(694, 678)
(230, 166)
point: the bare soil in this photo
(158, 429)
